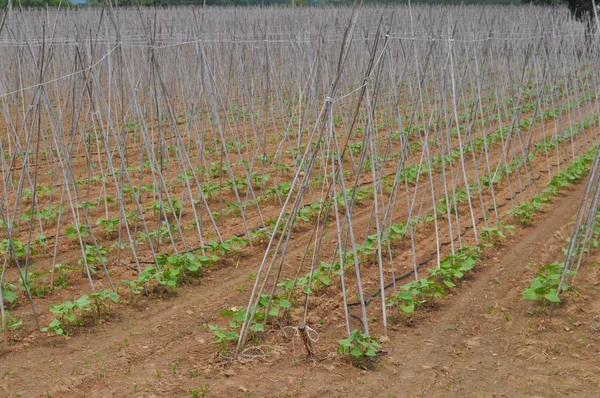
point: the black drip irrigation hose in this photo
(430, 257)
(399, 278)
(242, 234)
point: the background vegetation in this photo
(54, 3)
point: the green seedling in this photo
(544, 288)
(359, 345)
(15, 249)
(109, 224)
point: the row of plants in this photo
(453, 268)
(490, 234)
(70, 314)
(171, 270)
(166, 274)
(525, 211)
(277, 306)
(544, 287)
(170, 276)
(110, 224)
(209, 188)
(422, 292)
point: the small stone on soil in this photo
(228, 373)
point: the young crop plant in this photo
(361, 347)
(12, 323)
(102, 300)
(544, 286)
(310, 213)
(412, 172)
(109, 224)
(9, 295)
(73, 232)
(489, 180)
(67, 315)
(189, 264)
(85, 205)
(283, 168)
(167, 277)
(360, 194)
(71, 313)
(495, 234)
(234, 245)
(442, 208)
(406, 302)
(132, 191)
(278, 305)
(224, 335)
(415, 294)
(170, 270)
(15, 249)
(95, 256)
(61, 276)
(174, 208)
(278, 191)
(239, 184)
(41, 241)
(36, 283)
(551, 192)
(44, 190)
(455, 266)
(398, 231)
(260, 235)
(425, 290)
(524, 212)
(320, 279)
(46, 213)
(211, 189)
(259, 180)
(217, 169)
(159, 234)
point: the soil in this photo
(482, 340)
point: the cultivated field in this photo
(315, 202)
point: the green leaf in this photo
(9, 295)
(356, 352)
(226, 313)
(345, 344)
(449, 284)
(529, 294)
(283, 303)
(408, 308)
(552, 297)
(536, 284)
(370, 352)
(82, 302)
